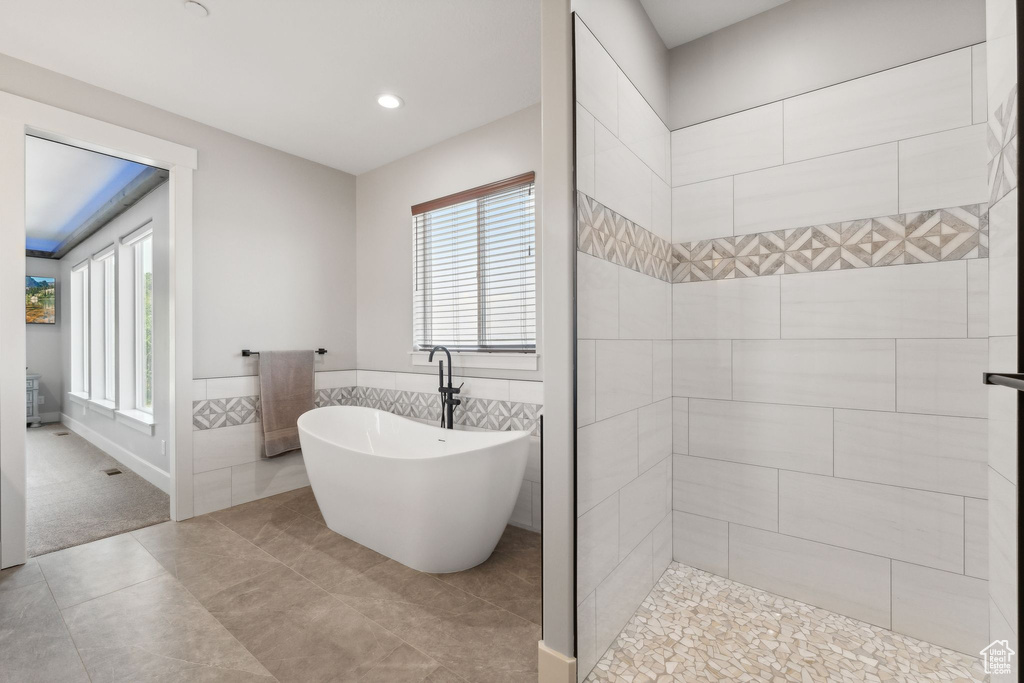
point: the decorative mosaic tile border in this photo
(1003, 148)
(605, 234)
(951, 234)
(494, 415)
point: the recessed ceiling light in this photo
(390, 101)
(196, 9)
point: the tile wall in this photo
(809, 349)
(1003, 324)
(227, 437)
(830, 326)
(624, 364)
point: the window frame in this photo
(421, 279)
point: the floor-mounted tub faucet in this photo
(448, 400)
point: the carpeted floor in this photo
(72, 501)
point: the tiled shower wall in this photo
(830, 325)
(227, 437)
(1003, 342)
(624, 363)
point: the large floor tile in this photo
(34, 643)
(204, 555)
(298, 631)
(156, 630)
(94, 569)
(20, 576)
(494, 582)
(405, 664)
(475, 639)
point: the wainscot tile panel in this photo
(482, 413)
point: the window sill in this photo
(480, 360)
(138, 420)
(79, 398)
(103, 407)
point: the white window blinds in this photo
(475, 269)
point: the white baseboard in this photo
(151, 473)
(553, 666)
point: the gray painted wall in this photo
(385, 196)
(782, 52)
(274, 235)
(42, 344)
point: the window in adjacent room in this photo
(80, 329)
(105, 320)
(144, 323)
(475, 269)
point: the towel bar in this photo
(1006, 379)
(247, 352)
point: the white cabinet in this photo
(32, 400)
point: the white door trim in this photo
(20, 116)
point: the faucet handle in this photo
(458, 389)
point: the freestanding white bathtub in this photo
(434, 499)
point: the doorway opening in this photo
(97, 343)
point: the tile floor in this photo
(263, 592)
(696, 626)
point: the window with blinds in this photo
(475, 269)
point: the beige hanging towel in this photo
(286, 391)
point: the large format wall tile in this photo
(701, 542)
(915, 526)
(928, 300)
(786, 437)
(585, 154)
(621, 181)
(1002, 410)
(1002, 544)
(621, 593)
(624, 376)
(680, 425)
(979, 87)
(941, 376)
(597, 78)
(702, 369)
(641, 129)
(211, 491)
(265, 477)
(606, 459)
(655, 429)
(1003, 267)
(733, 492)
(838, 373)
(597, 545)
(702, 211)
(943, 454)
(661, 208)
(942, 608)
(747, 308)
(977, 298)
(944, 169)
(643, 503)
(846, 581)
(840, 187)
(214, 449)
(728, 145)
(923, 97)
(645, 306)
(662, 361)
(976, 537)
(597, 304)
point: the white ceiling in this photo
(680, 21)
(64, 186)
(302, 76)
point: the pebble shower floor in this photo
(696, 626)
